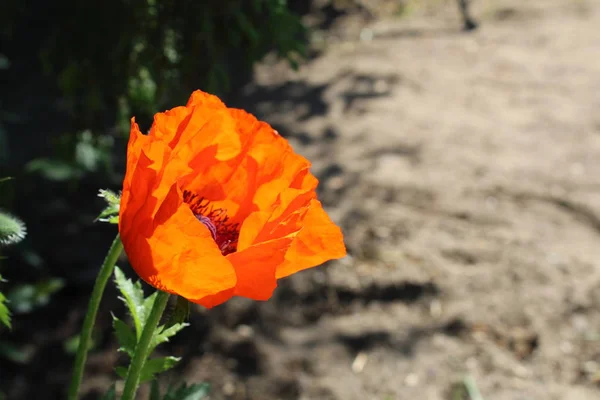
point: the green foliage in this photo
(151, 368)
(139, 308)
(53, 169)
(25, 298)
(181, 392)
(12, 229)
(4, 313)
(163, 334)
(155, 52)
(466, 389)
(74, 156)
(133, 297)
(111, 394)
(180, 313)
(125, 336)
(19, 354)
(111, 213)
(71, 344)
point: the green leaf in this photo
(108, 215)
(139, 308)
(121, 371)
(20, 354)
(4, 311)
(133, 297)
(246, 26)
(111, 213)
(53, 170)
(4, 62)
(111, 197)
(27, 297)
(111, 394)
(12, 229)
(125, 336)
(162, 335)
(180, 313)
(184, 392)
(156, 366)
(154, 391)
(151, 368)
(147, 307)
(71, 344)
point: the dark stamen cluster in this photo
(216, 220)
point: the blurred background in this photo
(462, 166)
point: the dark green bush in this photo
(73, 71)
(140, 56)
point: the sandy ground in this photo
(464, 170)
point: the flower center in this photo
(224, 233)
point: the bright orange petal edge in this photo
(216, 204)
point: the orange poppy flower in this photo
(216, 204)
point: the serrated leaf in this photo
(108, 211)
(184, 392)
(133, 297)
(156, 366)
(111, 197)
(111, 213)
(111, 394)
(4, 312)
(147, 306)
(140, 308)
(12, 229)
(162, 335)
(125, 336)
(108, 215)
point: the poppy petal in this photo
(189, 130)
(215, 299)
(217, 204)
(179, 255)
(255, 268)
(318, 241)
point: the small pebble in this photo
(411, 380)
(228, 389)
(359, 362)
(566, 347)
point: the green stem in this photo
(472, 389)
(142, 348)
(88, 323)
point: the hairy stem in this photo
(132, 380)
(90, 317)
